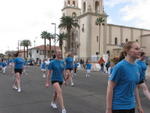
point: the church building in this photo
(92, 40)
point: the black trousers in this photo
(124, 111)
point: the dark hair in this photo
(142, 54)
(16, 54)
(54, 56)
(115, 60)
(122, 56)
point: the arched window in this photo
(74, 4)
(116, 41)
(126, 40)
(83, 28)
(97, 38)
(96, 6)
(74, 15)
(84, 7)
(68, 2)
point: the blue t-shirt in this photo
(57, 67)
(76, 65)
(43, 65)
(69, 62)
(4, 64)
(126, 76)
(143, 67)
(1, 64)
(19, 63)
(88, 66)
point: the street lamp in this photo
(54, 29)
(54, 35)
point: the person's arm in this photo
(47, 84)
(145, 90)
(138, 100)
(109, 95)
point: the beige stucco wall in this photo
(83, 37)
(146, 44)
(70, 10)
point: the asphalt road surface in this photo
(87, 96)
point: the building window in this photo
(37, 51)
(74, 15)
(74, 3)
(137, 40)
(97, 39)
(83, 28)
(116, 41)
(96, 6)
(84, 7)
(69, 2)
(126, 40)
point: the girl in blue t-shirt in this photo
(56, 76)
(122, 85)
(69, 68)
(19, 63)
(88, 67)
(75, 67)
(4, 66)
(43, 67)
(143, 67)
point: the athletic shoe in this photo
(19, 90)
(53, 105)
(72, 84)
(63, 111)
(44, 76)
(14, 87)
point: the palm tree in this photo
(25, 43)
(61, 37)
(44, 36)
(68, 23)
(49, 36)
(100, 21)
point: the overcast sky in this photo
(26, 19)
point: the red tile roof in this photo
(41, 47)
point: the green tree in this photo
(25, 44)
(68, 23)
(44, 36)
(100, 21)
(61, 37)
(49, 36)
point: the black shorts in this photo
(70, 69)
(60, 83)
(124, 111)
(18, 71)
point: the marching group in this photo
(126, 76)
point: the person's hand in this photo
(140, 109)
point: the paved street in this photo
(87, 96)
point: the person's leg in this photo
(18, 81)
(54, 97)
(53, 103)
(58, 90)
(86, 73)
(14, 86)
(71, 77)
